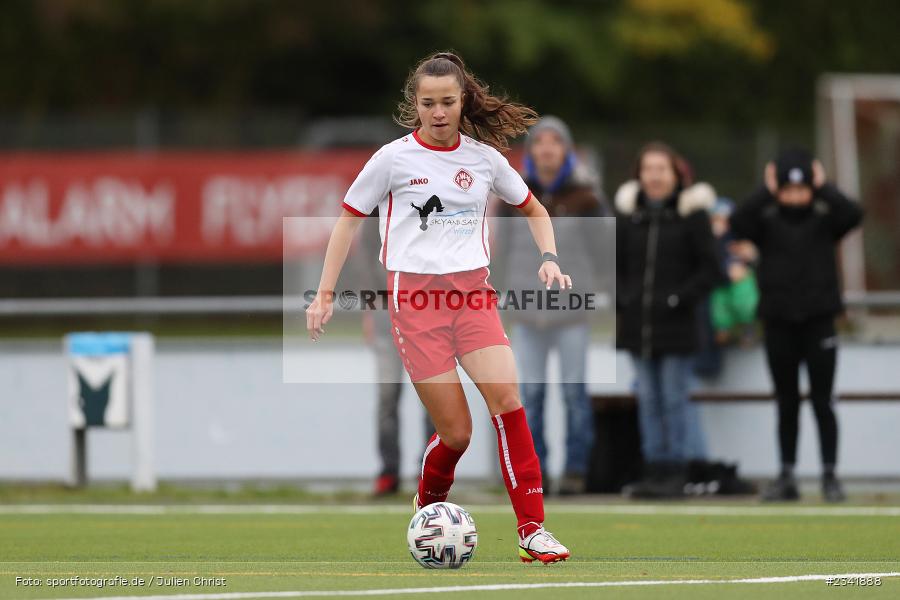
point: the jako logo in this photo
(530, 491)
(422, 181)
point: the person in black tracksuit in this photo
(796, 221)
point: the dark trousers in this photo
(788, 344)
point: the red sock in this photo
(438, 466)
(521, 470)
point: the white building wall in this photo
(223, 412)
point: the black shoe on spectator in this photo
(832, 491)
(783, 489)
(572, 484)
(719, 478)
(663, 481)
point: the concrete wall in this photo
(222, 411)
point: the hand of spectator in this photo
(818, 174)
(771, 178)
(737, 271)
(744, 250)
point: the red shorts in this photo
(435, 319)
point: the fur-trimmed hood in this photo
(700, 196)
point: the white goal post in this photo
(839, 97)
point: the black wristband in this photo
(549, 256)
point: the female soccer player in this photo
(432, 189)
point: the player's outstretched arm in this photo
(321, 309)
(542, 230)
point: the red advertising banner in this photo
(167, 207)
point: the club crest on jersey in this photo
(463, 179)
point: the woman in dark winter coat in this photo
(665, 264)
(796, 221)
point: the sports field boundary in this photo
(380, 509)
(501, 587)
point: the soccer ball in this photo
(442, 536)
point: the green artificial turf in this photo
(330, 550)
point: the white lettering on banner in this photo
(107, 210)
(249, 211)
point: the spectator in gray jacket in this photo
(570, 192)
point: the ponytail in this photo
(487, 118)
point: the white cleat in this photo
(542, 546)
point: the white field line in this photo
(375, 509)
(496, 587)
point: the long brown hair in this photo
(682, 168)
(485, 117)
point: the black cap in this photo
(794, 165)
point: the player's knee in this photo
(508, 401)
(458, 437)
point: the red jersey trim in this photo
(525, 201)
(387, 229)
(483, 241)
(438, 148)
(353, 210)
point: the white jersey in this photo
(432, 202)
